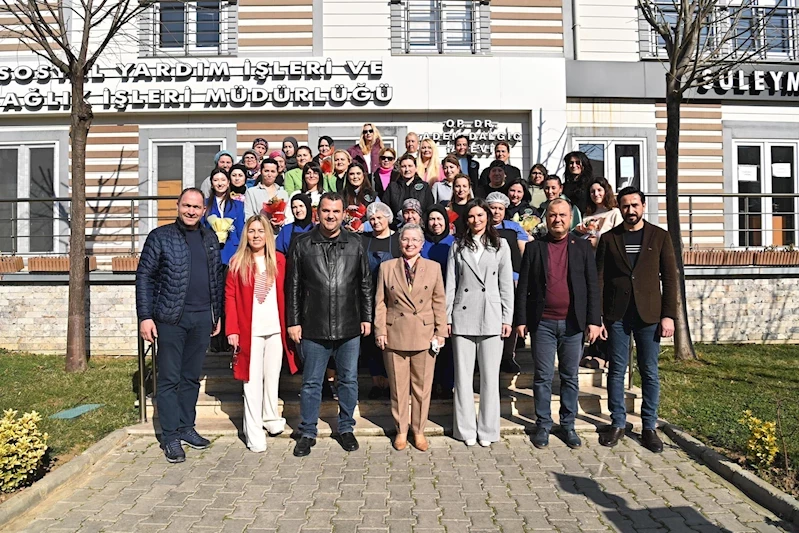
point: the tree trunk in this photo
(683, 345)
(80, 122)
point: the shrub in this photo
(762, 444)
(22, 449)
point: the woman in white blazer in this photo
(480, 298)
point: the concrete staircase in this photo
(220, 404)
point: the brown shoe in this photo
(420, 443)
(400, 442)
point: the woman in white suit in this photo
(480, 297)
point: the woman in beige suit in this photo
(410, 326)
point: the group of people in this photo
(423, 270)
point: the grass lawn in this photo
(31, 382)
(708, 397)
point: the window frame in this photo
(150, 31)
(609, 144)
(23, 191)
(401, 30)
(767, 212)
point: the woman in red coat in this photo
(256, 329)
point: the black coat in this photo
(511, 173)
(399, 191)
(162, 278)
(583, 287)
(328, 286)
(377, 185)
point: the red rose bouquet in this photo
(275, 210)
(353, 218)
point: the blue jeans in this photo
(566, 339)
(315, 355)
(181, 352)
(647, 347)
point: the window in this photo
(177, 165)
(759, 29)
(27, 171)
(203, 27)
(763, 169)
(618, 160)
(439, 27)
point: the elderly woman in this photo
(410, 326)
(480, 313)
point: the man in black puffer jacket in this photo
(179, 291)
(328, 307)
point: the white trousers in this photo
(487, 351)
(260, 392)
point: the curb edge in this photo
(783, 505)
(31, 496)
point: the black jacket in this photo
(511, 173)
(398, 191)
(328, 286)
(377, 185)
(583, 287)
(474, 170)
(576, 190)
(162, 278)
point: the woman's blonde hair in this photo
(378, 140)
(243, 261)
(432, 171)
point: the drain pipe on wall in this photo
(575, 29)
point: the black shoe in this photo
(571, 438)
(174, 451)
(611, 437)
(375, 393)
(540, 437)
(349, 442)
(194, 439)
(651, 441)
(509, 366)
(304, 446)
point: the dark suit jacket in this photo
(618, 281)
(532, 288)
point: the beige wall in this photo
(33, 317)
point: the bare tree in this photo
(71, 35)
(703, 41)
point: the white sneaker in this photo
(470, 442)
(485, 443)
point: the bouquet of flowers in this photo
(275, 210)
(452, 216)
(221, 226)
(353, 218)
(326, 165)
(532, 224)
(592, 227)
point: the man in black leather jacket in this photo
(328, 307)
(179, 291)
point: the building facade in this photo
(547, 76)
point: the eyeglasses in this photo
(367, 132)
(386, 158)
(408, 240)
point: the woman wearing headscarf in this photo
(290, 146)
(324, 159)
(280, 157)
(303, 222)
(437, 242)
(238, 182)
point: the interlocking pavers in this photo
(509, 487)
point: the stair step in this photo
(513, 402)
(383, 425)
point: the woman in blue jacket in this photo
(303, 222)
(437, 242)
(221, 205)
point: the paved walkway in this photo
(511, 487)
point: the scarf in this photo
(291, 162)
(305, 222)
(429, 235)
